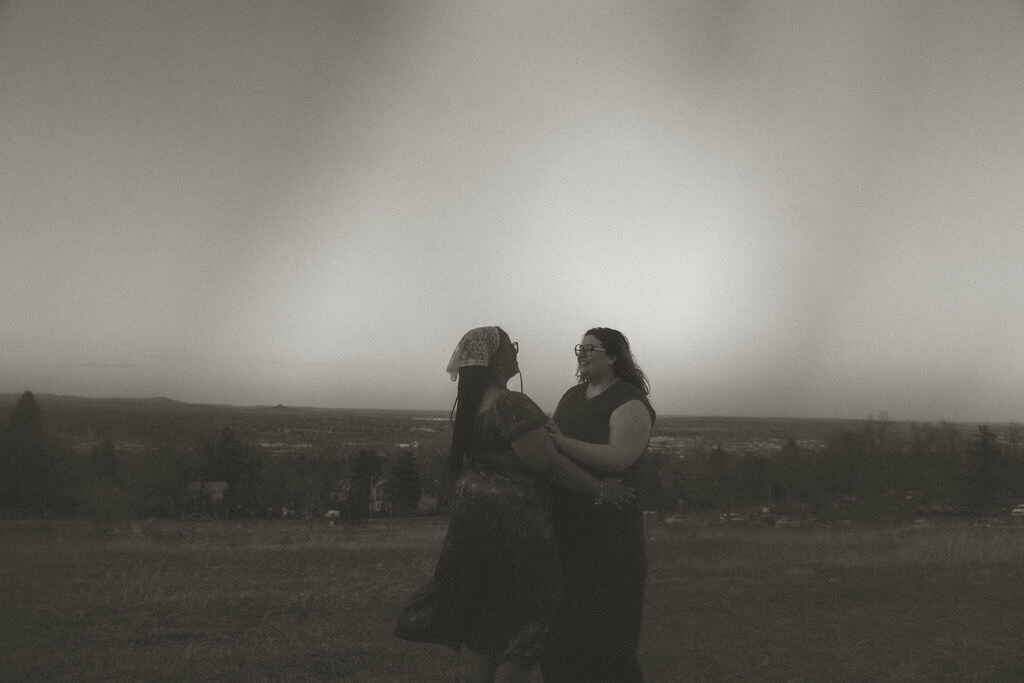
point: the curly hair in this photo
(625, 367)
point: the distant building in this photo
(379, 502)
(207, 495)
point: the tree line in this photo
(39, 477)
(872, 469)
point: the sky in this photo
(791, 209)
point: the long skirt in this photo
(595, 639)
(497, 583)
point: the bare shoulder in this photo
(633, 411)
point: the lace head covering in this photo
(477, 347)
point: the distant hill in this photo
(136, 424)
(64, 399)
(167, 404)
(731, 424)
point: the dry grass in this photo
(295, 601)
(941, 603)
(213, 601)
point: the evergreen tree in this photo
(105, 464)
(404, 487)
(228, 459)
(158, 481)
(367, 469)
(1014, 462)
(672, 473)
(25, 469)
(104, 496)
(720, 467)
(792, 475)
(752, 482)
(981, 471)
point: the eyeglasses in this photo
(515, 346)
(586, 349)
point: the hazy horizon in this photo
(41, 399)
(792, 209)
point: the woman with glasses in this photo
(602, 424)
(498, 584)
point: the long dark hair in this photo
(625, 367)
(473, 382)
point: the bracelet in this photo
(599, 498)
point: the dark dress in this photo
(603, 558)
(497, 583)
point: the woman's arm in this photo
(537, 451)
(629, 431)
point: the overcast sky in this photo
(805, 208)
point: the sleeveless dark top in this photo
(589, 420)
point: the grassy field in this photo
(301, 601)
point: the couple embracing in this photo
(544, 561)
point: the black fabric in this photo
(498, 583)
(603, 559)
(512, 415)
(425, 616)
(516, 414)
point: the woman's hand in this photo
(614, 492)
(557, 436)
